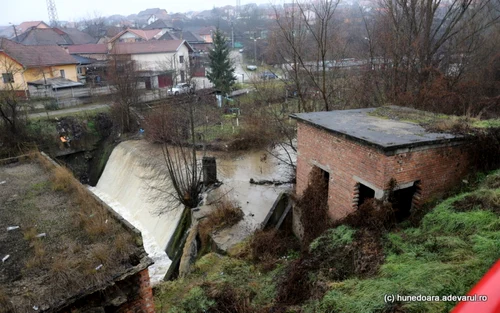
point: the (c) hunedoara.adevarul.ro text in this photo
(391, 298)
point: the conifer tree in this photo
(221, 72)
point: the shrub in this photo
(225, 214)
(267, 247)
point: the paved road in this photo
(67, 111)
(240, 68)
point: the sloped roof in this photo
(207, 30)
(83, 60)
(78, 37)
(159, 24)
(95, 48)
(144, 34)
(54, 36)
(191, 37)
(156, 46)
(43, 36)
(168, 36)
(24, 26)
(34, 56)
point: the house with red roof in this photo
(21, 65)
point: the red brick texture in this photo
(437, 168)
(143, 302)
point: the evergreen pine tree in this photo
(221, 72)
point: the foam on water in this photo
(134, 186)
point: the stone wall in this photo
(437, 168)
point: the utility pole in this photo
(232, 35)
(255, 50)
(15, 30)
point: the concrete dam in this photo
(136, 185)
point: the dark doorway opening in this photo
(321, 179)
(364, 193)
(402, 202)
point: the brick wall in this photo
(438, 169)
(143, 301)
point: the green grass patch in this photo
(454, 246)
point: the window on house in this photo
(63, 74)
(181, 59)
(364, 193)
(183, 74)
(7, 78)
(79, 70)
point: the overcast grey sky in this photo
(17, 11)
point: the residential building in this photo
(21, 65)
(92, 61)
(150, 16)
(206, 33)
(25, 26)
(137, 35)
(161, 62)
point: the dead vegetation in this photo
(226, 214)
(268, 248)
(313, 206)
(68, 239)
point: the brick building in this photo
(358, 154)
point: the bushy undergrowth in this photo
(347, 269)
(446, 255)
(219, 284)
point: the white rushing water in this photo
(134, 187)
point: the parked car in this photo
(179, 89)
(251, 67)
(268, 75)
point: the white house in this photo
(161, 62)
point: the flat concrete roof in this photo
(385, 134)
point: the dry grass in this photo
(5, 304)
(226, 214)
(101, 253)
(30, 233)
(268, 247)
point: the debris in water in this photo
(5, 258)
(98, 267)
(12, 228)
(41, 235)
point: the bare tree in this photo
(124, 77)
(433, 39)
(177, 126)
(307, 41)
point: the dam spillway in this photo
(136, 186)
